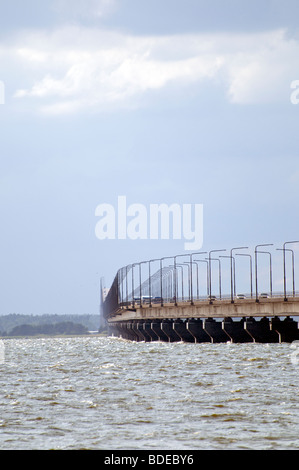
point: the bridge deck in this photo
(268, 307)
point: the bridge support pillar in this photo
(214, 329)
(143, 333)
(138, 335)
(124, 331)
(132, 335)
(181, 330)
(235, 330)
(195, 328)
(147, 326)
(167, 328)
(122, 327)
(157, 328)
(260, 331)
(287, 329)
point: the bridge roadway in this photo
(270, 320)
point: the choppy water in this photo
(106, 393)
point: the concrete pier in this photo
(167, 328)
(147, 326)
(260, 331)
(287, 329)
(196, 330)
(138, 335)
(214, 329)
(143, 328)
(128, 331)
(179, 327)
(157, 328)
(236, 331)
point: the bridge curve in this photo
(162, 300)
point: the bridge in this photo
(180, 298)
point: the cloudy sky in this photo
(169, 101)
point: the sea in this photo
(105, 393)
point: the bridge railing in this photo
(195, 277)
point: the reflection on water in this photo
(106, 393)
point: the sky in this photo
(169, 101)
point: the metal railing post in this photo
(256, 270)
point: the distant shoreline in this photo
(90, 335)
(20, 325)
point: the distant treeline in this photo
(47, 324)
(63, 328)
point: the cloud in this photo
(263, 75)
(84, 8)
(77, 68)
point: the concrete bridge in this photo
(166, 305)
